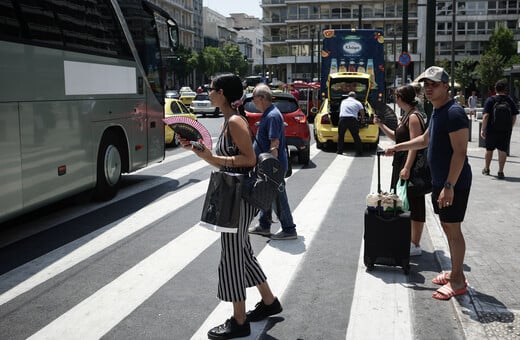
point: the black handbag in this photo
(261, 185)
(420, 181)
(221, 210)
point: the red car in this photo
(297, 132)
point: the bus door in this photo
(148, 127)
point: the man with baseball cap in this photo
(434, 73)
(349, 110)
(447, 142)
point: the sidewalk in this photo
(491, 229)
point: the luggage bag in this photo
(387, 234)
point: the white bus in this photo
(81, 97)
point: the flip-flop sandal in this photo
(446, 292)
(442, 279)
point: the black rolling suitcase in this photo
(387, 234)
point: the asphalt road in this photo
(138, 267)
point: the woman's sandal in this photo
(446, 292)
(443, 278)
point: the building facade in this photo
(292, 31)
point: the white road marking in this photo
(308, 217)
(100, 312)
(381, 307)
(53, 263)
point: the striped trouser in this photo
(238, 268)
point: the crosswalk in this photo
(97, 313)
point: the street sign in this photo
(405, 59)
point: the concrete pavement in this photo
(491, 229)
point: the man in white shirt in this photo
(348, 119)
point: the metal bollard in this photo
(481, 141)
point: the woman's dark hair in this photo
(231, 85)
(407, 94)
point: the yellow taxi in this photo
(327, 118)
(187, 97)
(174, 107)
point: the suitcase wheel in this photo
(406, 268)
(369, 263)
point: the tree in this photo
(445, 64)
(490, 68)
(214, 61)
(465, 72)
(181, 64)
(236, 61)
(499, 55)
(502, 41)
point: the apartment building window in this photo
(303, 12)
(390, 10)
(471, 28)
(292, 12)
(461, 28)
(314, 12)
(325, 12)
(292, 32)
(502, 7)
(481, 27)
(379, 11)
(476, 7)
(368, 12)
(340, 12)
(444, 7)
(304, 32)
(511, 24)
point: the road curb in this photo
(465, 306)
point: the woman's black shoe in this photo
(229, 330)
(263, 311)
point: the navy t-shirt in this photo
(488, 108)
(448, 118)
(271, 127)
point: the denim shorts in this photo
(457, 210)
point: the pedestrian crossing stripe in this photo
(99, 313)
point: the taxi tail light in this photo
(325, 119)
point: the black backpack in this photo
(261, 186)
(502, 115)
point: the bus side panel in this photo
(155, 129)
(127, 116)
(55, 134)
(11, 179)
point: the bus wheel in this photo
(108, 168)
